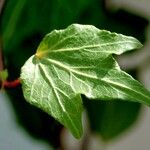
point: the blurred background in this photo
(108, 125)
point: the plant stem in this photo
(1, 5)
(11, 84)
(1, 57)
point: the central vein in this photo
(69, 69)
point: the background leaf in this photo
(69, 63)
(109, 119)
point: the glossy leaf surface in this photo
(78, 60)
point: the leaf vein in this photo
(88, 47)
(69, 69)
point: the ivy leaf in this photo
(74, 61)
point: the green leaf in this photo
(78, 60)
(111, 119)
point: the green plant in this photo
(75, 61)
(108, 91)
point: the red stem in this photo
(11, 84)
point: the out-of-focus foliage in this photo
(111, 118)
(23, 25)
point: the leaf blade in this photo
(55, 107)
(59, 37)
(78, 60)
